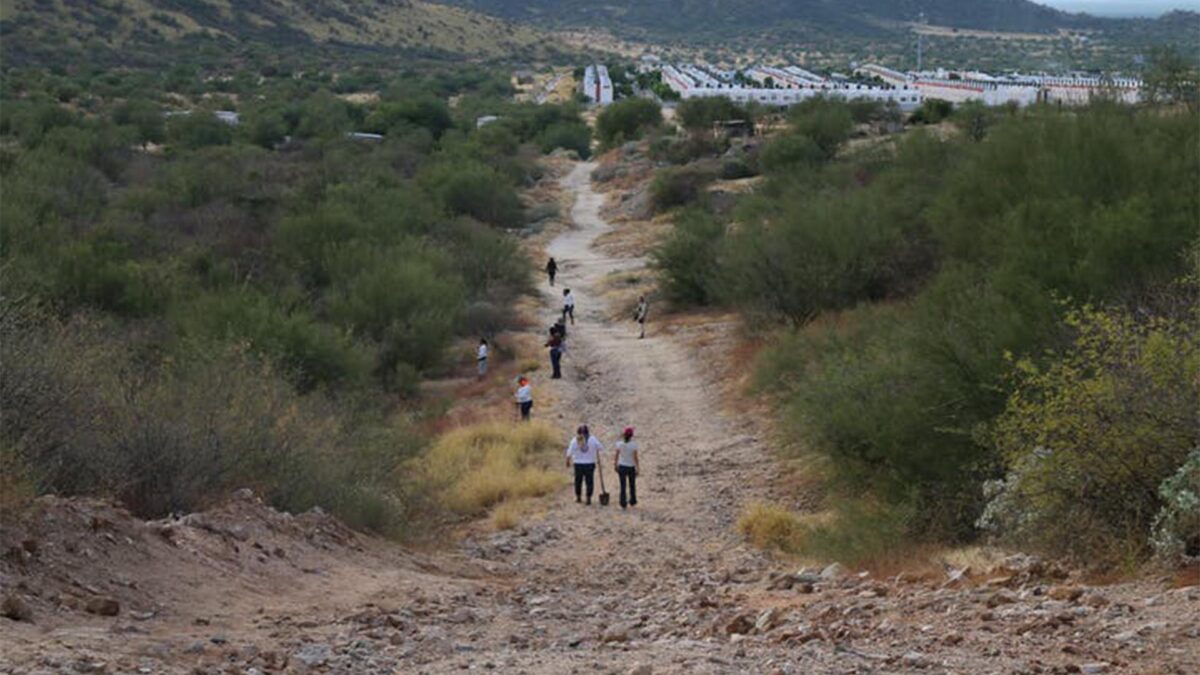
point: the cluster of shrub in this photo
(992, 329)
(190, 305)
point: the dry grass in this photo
(772, 528)
(480, 466)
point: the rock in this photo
(30, 546)
(767, 620)
(1065, 593)
(104, 606)
(832, 572)
(1001, 598)
(15, 608)
(616, 633)
(1097, 667)
(642, 669)
(740, 624)
(914, 660)
(804, 588)
(1095, 600)
(313, 654)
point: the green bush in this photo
(932, 111)
(626, 120)
(1090, 437)
(474, 189)
(1176, 533)
(679, 186)
(687, 259)
(198, 129)
(826, 122)
(568, 135)
(791, 150)
(699, 114)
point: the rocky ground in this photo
(666, 587)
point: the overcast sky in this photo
(1123, 7)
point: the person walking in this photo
(551, 269)
(555, 343)
(481, 357)
(568, 306)
(524, 398)
(627, 464)
(639, 315)
(584, 454)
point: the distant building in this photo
(1022, 90)
(782, 87)
(485, 120)
(597, 86)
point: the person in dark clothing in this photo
(551, 270)
(555, 343)
(626, 463)
(584, 454)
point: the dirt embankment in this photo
(664, 587)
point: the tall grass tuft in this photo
(476, 467)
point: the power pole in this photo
(920, 41)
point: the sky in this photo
(1122, 7)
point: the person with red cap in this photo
(627, 464)
(584, 454)
(524, 398)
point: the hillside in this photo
(849, 17)
(130, 31)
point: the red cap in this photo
(628, 431)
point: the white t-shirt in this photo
(524, 394)
(482, 353)
(588, 454)
(569, 300)
(625, 452)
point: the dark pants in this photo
(628, 473)
(551, 274)
(569, 312)
(525, 408)
(585, 473)
(556, 363)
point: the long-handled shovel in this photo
(603, 492)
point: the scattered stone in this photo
(314, 654)
(1098, 667)
(13, 607)
(1001, 598)
(103, 606)
(767, 620)
(740, 624)
(642, 669)
(616, 633)
(914, 660)
(832, 572)
(1065, 593)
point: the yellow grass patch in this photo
(476, 467)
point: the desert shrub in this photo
(575, 136)
(626, 120)
(737, 168)
(687, 259)
(679, 186)
(89, 414)
(1176, 532)
(309, 353)
(790, 150)
(699, 114)
(479, 466)
(932, 111)
(324, 115)
(1090, 437)
(199, 129)
(474, 189)
(826, 122)
(143, 115)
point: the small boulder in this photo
(1065, 593)
(103, 606)
(642, 669)
(740, 624)
(15, 608)
(833, 571)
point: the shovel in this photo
(603, 492)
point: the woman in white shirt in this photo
(584, 453)
(627, 463)
(568, 306)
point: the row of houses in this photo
(1021, 89)
(789, 85)
(781, 86)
